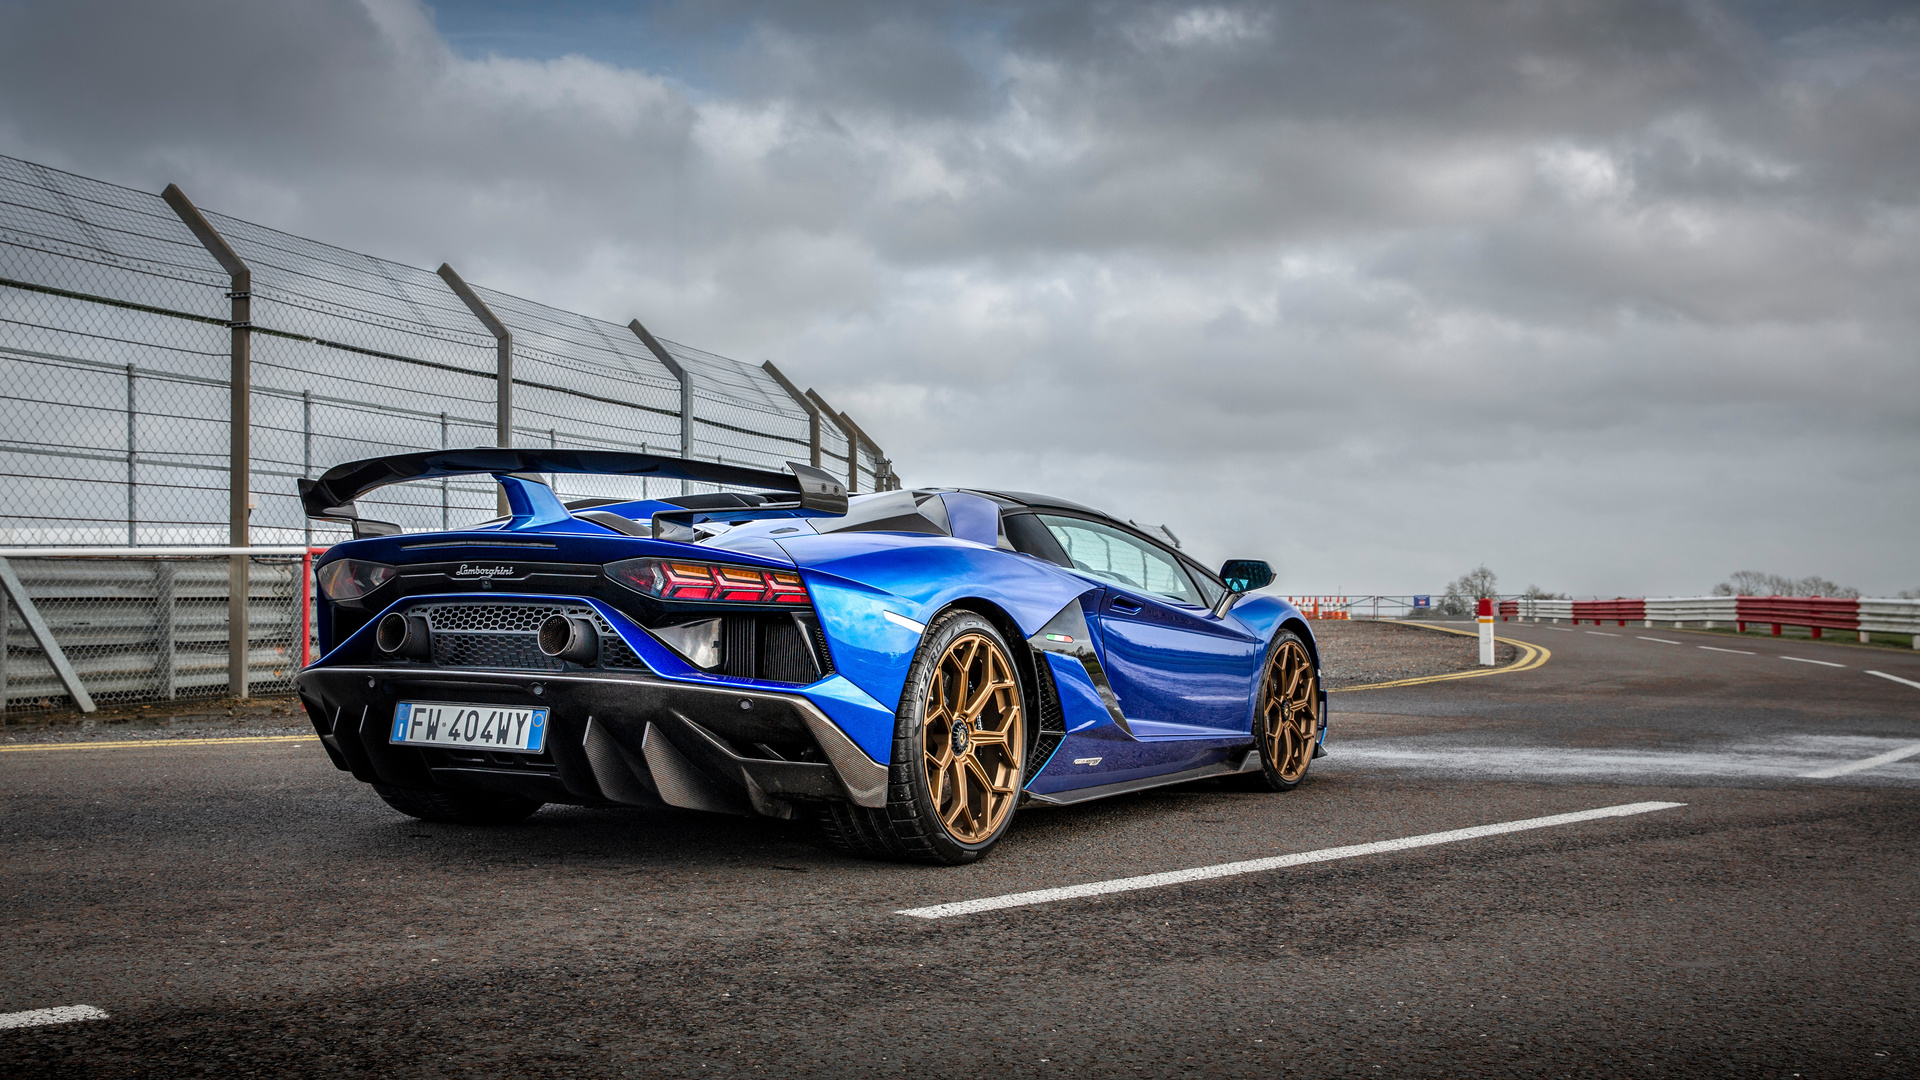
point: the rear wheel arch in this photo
(949, 798)
(1023, 654)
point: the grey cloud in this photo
(1383, 289)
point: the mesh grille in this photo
(505, 635)
(615, 653)
(737, 641)
(785, 657)
(495, 618)
(1052, 726)
(516, 651)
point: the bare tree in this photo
(1473, 585)
(1535, 592)
(1750, 583)
(1755, 583)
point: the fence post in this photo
(853, 439)
(685, 379)
(163, 599)
(6, 634)
(306, 448)
(240, 432)
(445, 503)
(502, 364)
(882, 471)
(813, 413)
(131, 526)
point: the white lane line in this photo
(1896, 678)
(1661, 640)
(1803, 660)
(1711, 648)
(64, 1014)
(1601, 633)
(1277, 862)
(1562, 629)
(1873, 762)
(1779, 758)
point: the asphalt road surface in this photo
(243, 909)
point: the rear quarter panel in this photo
(855, 578)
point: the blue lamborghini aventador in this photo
(908, 667)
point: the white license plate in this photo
(477, 727)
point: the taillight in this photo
(350, 579)
(672, 579)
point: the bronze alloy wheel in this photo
(973, 737)
(959, 749)
(1289, 711)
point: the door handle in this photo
(1125, 606)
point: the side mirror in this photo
(1246, 575)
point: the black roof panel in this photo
(1028, 498)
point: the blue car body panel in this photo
(1178, 670)
(1170, 687)
(856, 578)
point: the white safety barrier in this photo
(1891, 617)
(1678, 611)
(1545, 610)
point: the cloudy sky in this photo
(1614, 297)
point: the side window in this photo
(1111, 555)
(1026, 534)
(1210, 590)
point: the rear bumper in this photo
(612, 739)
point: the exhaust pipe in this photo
(574, 639)
(404, 635)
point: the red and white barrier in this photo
(1816, 613)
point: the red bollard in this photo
(1483, 611)
(1776, 629)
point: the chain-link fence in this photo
(114, 336)
(119, 330)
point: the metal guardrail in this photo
(1707, 611)
(76, 632)
(1817, 613)
(1891, 616)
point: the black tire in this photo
(458, 807)
(1286, 716)
(912, 826)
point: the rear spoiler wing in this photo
(811, 492)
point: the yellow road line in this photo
(124, 744)
(1531, 656)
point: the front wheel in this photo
(958, 751)
(1287, 718)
